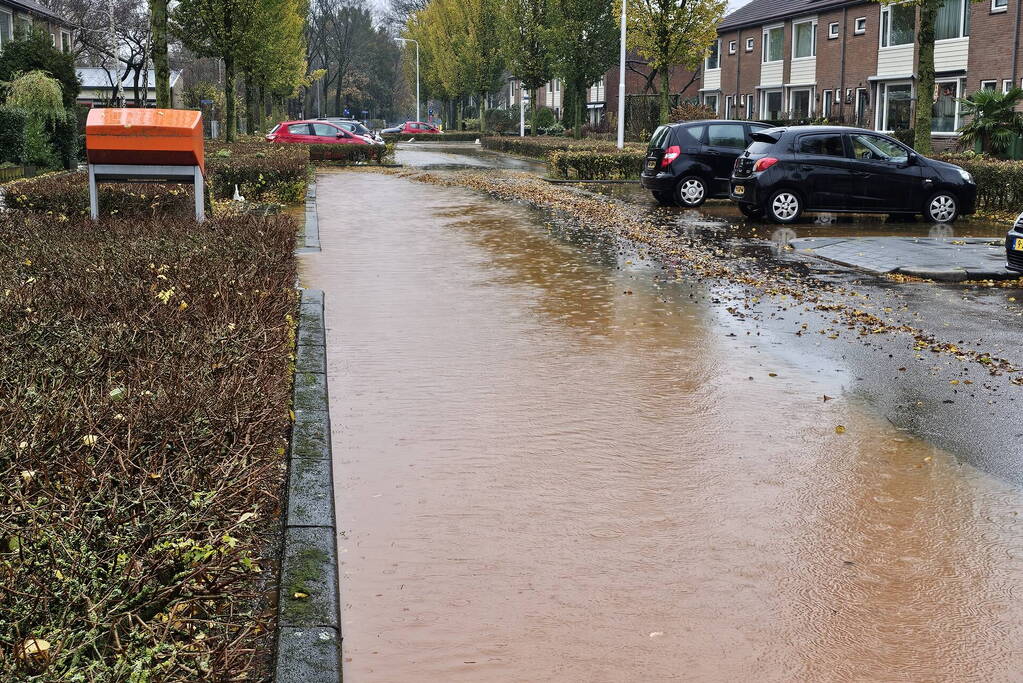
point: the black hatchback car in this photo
(1014, 246)
(688, 163)
(786, 171)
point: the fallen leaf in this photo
(840, 429)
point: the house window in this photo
(799, 103)
(714, 58)
(945, 110)
(804, 39)
(988, 85)
(1007, 85)
(730, 107)
(860, 26)
(749, 107)
(832, 30)
(999, 5)
(65, 41)
(862, 103)
(24, 25)
(731, 47)
(749, 44)
(711, 102)
(896, 103)
(953, 20)
(826, 104)
(6, 27)
(898, 25)
(771, 105)
(774, 48)
(53, 39)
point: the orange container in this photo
(171, 137)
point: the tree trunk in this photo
(666, 96)
(925, 77)
(483, 113)
(580, 101)
(458, 115)
(533, 95)
(230, 106)
(250, 104)
(158, 25)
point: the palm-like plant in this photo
(993, 119)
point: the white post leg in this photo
(93, 194)
(200, 196)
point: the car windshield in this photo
(659, 138)
(274, 129)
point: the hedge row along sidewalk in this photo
(541, 147)
(143, 430)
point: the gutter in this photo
(841, 71)
(1015, 42)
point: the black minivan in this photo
(786, 171)
(690, 162)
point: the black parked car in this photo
(1014, 246)
(786, 171)
(687, 163)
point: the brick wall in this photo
(991, 46)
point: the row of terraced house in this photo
(849, 61)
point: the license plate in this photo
(651, 164)
(739, 190)
(1017, 245)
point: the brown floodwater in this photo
(552, 465)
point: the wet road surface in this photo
(554, 465)
(460, 155)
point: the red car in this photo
(315, 133)
(417, 127)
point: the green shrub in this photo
(262, 171)
(350, 154)
(143, 423)
(67, 195)
(12, 135)
(33, 52)
(999, 183)
(540, 147)
(456, 136)
(595, 165)
(63, 133)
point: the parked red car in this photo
(417, 127)
(314, 132)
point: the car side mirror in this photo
(341, 135)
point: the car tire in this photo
(664, 198)
(691, 192)
(942, 207)
(750, 211)
(784, 206)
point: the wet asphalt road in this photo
(555, 462)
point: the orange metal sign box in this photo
(171, 137)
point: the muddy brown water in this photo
(552, 465)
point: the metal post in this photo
(93, 195)
(522, 111)
(417, 80)
(200, 196)
(621, 84)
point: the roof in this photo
(33, 7)
(760, 12)
(98, 77)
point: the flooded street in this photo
(554, 464)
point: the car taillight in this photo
(670, 155)
(764, 164)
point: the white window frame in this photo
(750, 44)
(732, 48)
(706, 62)
(859, 26)
(750, 102)
(813, 39)
(827, 103)
(964, 7)
(856, 102)
(10, 21)
(960, 87)
(66, 45)
(1006, 85)
(995, 7)
(809, 102)
(984, 85)
(832, 30)
(886, 12)
(763, 101)
(730, 106)
(767, 44)
(717, 101)
(881, 103)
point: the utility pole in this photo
(621, 84)
(522, 110)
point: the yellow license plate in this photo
(1017, 245)
(651, 164)
(741, 190)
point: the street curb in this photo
(569, 181)
(312, 225)
(309, 626)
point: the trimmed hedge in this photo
(143, 425)
(999, 183)
(463, 136)
(542, 147)
(353, 154)
(262, 171)
(67, 195)
(595, 165)
(12, 135)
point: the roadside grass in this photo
(143, 427)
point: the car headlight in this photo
(966, 175)
(1018, 225)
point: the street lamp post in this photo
(410, 40)
(621, 84)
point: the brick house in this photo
(855, 62)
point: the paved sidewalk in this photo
(934, 258)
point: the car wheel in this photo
(785, 206)
(750, 211)
(690, 192)
(942, 207)
(664, 198)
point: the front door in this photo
(327, 134)
(825, 170)
(886, 181)
(725, 141)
